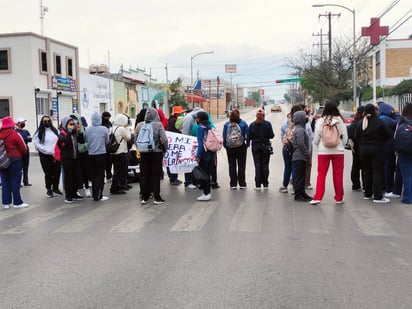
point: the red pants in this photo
(337, 169)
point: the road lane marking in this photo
(36, 221)
(85, 221)
(7, 213)
(248, 218)
(371, 222)
(137, 221)
(195, 218)
(308, 219)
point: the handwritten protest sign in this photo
(181, 151)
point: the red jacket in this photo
(14, 143)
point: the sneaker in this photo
(191, 186)
(57, 191)
(283, 189)
(159, 201)
(242, 187)
(233, 188)
(309, 187)
(382, 200)
(357, 189)
(104, 198)
(215, 186)
(204, 197)
(176, 182)
(314, 202)
(367, 197)
(87, 192)
(22, 205)
(49, 193)
(6, 206)
(27, 184)
(265, 187)
(77, 197)
(340, 202)
(117, 192)
(68, 200)
(392, 195)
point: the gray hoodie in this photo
(159, 133)
(300, 138)
(97, 136)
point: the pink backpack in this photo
(214, 141)
(330, 134)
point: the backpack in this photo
(4, 159)
(234, 136)
(330, 134)
(113, 144)
(403, 138)
(145, 139)
(214, 141)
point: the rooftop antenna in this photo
(43, 10)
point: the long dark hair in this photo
(331, 110)
(41, 130)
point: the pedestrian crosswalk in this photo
(246, 217)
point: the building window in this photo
(43, 62)
(378, 57)
(58, 64)
(42, 106)
(4, 107)
(69, 62)
(5, 63)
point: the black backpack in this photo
(403, 137)
(113, 144)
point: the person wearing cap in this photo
(260, 134)
(25, 134)
(171, 126)
(11, 176)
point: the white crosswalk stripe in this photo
(371, 222)
(138, 220)
(5, 214)
(195, 218)
(248, 218)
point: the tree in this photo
(177, 96)
(324, 79)
(256, 96)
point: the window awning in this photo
(196, 98)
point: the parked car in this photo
(276, 108)
(348, 117)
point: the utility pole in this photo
(167, 85)
(320, 35)
(329, 16)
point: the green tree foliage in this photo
(256, 96)
(177, 96)
(286, 96)
(403, 87)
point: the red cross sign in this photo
(375, 30)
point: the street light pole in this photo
(353, 48)
(191, 72)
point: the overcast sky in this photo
(255, 35)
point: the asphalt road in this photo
(243, 249)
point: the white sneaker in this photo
(242, 188)
(22, 205)
(204, 197)
(340, 202)
(314, 202)
(6, 206)
(309, 188)
(233, 188)
(104, 198)
(382, 200)
(392, 195)
(87, 193)
(191, 186)
(257, 188)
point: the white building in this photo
(38, 75)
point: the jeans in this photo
(10, 182)
(405, 164)
(287, 170)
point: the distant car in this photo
(348, 117)
(276, 108)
